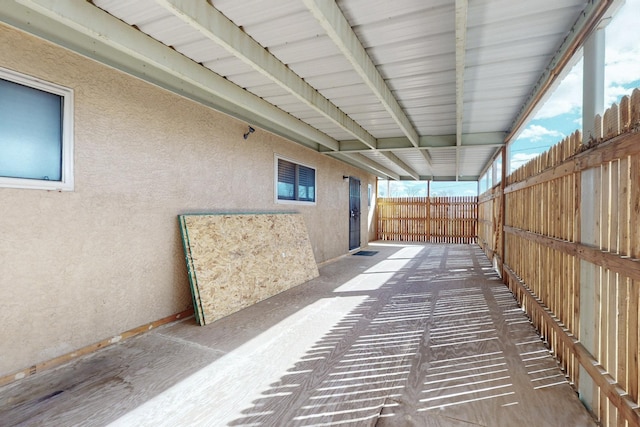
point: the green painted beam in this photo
(488, 139)
(398, 162)
(90, 31)
(219, 29)
(366, 165)
(338, 29)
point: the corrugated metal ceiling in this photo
(391, 87)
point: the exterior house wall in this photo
(78, 267)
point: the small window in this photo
(36, 133)
(295, 183)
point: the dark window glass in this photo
(296, 182)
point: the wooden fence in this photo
(490, 213)
(428, 219)
(570, 255)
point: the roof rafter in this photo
(427, 157)
(489, 139)
(462, 7)
(217, 27)
(100, 26)
(361, 159)
(393, 158)
(339, 30)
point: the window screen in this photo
(306, 184)
(296, 182)
(286, 180)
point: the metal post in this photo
(592, 104)
(592, 81)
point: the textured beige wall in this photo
(78, 267)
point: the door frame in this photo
(355, 213)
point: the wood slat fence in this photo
(568, 246)
(490, 212)
(427, 219)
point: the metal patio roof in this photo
(405, 89)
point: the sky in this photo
(561, 114)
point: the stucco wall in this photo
(77, 267)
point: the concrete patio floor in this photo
(415, 335)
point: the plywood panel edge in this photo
(184, 234)
(239, 259)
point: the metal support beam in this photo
(592, 82)
(217, 27)
(341, 157)
(338, 29)
(461, 46)
(132, 51)
(486, 139)
(427, 157)
(359, 159)
(402, 165)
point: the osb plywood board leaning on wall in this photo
(236, 260)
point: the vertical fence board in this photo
(543, 199)
(428, 219)
(634, 251)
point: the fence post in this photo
(503, 211)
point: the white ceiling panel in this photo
(277, 31)
(408, 26)
(427, 64)
(170, 30)
(228, 65)
(384, 161)
(411, 49)
(309, 49)
(334, 79)
(341, 91)
(416, 160)
(320, 66)
(248, 79)
(252, 12)
(365, 70)
(430, 90)
(133, 12)
(266, 90)
(430, 101)
(201, 50)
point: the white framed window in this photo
(295, 182)
(36, 133)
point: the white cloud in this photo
(622, 56)
(622, 67)
(622, 59)
(567, 98)
(613, 93)
(537, 133)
